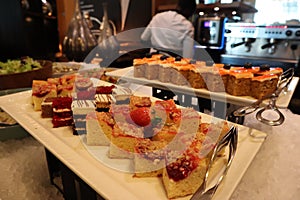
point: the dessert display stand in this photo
(219, 104)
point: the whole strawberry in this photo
(141, 116)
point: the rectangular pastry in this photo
(149, 158)
(40, 91)
(99, 127)
(263, 85)
(239, 83)
(123, 140)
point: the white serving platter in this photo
(127, 74)
(107, 181)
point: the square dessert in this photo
(186, 119)
(149, 158)
(263, 85)
(162, 108)
(80, 108)
(62, 112)
(183, 174)
(139, 67)
(215, 79)
(180, 73)
(99, 127)
(46, 107)
(239, 83)
(103, 102)
(40, 91)
(103, 97)
(195, 79)
(139, 101)
(165, 69)
(120, 113)
(123, 140)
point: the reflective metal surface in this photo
(231, 139)
(283, 83)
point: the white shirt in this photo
(171, 31)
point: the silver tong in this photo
(231, 139)
(284, 81)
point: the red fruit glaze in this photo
(182, 167)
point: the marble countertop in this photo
(274, 173)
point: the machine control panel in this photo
(250, 30)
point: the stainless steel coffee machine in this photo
(209, 32)
(275, 45)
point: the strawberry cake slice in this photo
(123, 140)
(149, 158)
(40, 91)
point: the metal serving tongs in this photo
(283, 83)
(231, 139)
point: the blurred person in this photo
(172, 31)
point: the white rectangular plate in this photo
(106, 181)
(127, 74)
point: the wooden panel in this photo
(65, 12)
(158, 3)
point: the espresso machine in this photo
(277, 45)
(209, 35)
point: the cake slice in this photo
(139, 67)
(151, 69)
(46, 107)
(186, 119)
(62, 112)
(65, 90)
(263, 85)
(99, 127)
(239, 83)
(66, 85)
(195, 79)
(80, 108)
(213, 79)
(120, 113)
(139, 101)
(210, 134)
(83, 83)
(123, 140)
(105, 89)
(224, 73)
(162, 109)
(166, 133)
(103, 102)
(186, 168)
(103, 98)
(165, 69)
(149, 158)
(184, 174)
(179, 74)
(121, 95)
(40, 91)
